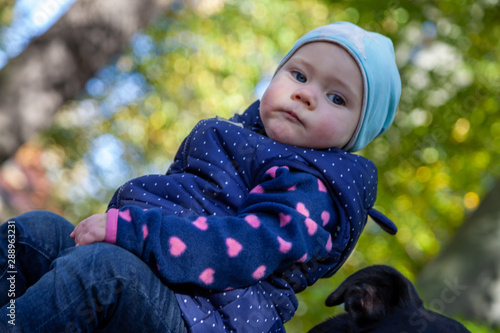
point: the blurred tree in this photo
(55, 66)
(465, 277)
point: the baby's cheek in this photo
(333, 134)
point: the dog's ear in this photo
(373, 292)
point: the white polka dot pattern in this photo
(228, 180)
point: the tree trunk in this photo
(55, 67)
(465, 278)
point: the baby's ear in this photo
(373, 293)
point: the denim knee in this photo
(94, 263)
(36, 238)
(99, 286)
(98, 277)
(44, 231)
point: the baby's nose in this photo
(305, 96)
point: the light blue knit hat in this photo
(374, 54)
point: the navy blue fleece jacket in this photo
(239, 217)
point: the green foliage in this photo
(6, 12)
(478, 327)
(435, 164)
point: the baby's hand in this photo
(90, 230)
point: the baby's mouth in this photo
(292, 115)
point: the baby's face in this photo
(315, 99)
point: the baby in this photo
(253, 209)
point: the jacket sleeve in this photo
(287, 218)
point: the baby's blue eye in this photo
(337, 99)
(299, 76)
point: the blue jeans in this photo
(57, 287)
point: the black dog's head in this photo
(379, 299)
